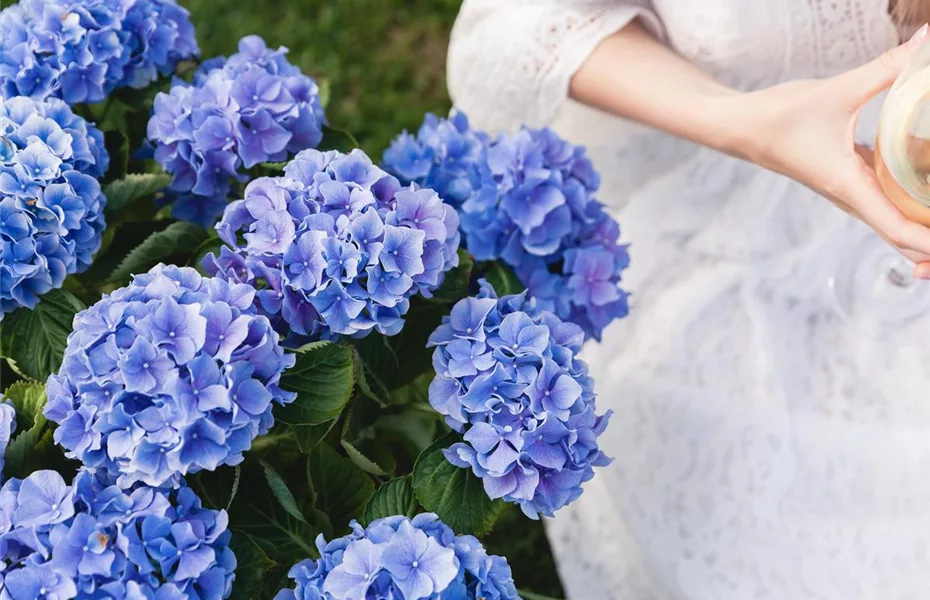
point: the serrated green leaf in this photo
(131, 187)
(341, 490)
(28, 399)
(281, 492)
(252, 563)
(455, 285)
(453, 493)
(175, 239)
(361, 461)
(503, 279)
(323, 378)
(36, 339)
(394, 497)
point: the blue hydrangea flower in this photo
(7, 427)
(172, 374)
(254, 107)
(404, 559)
(92, 539)
(339, 245)
(51, 206)
(508, 378)
(528, 199)
(81, 50)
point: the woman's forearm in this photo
(632, 75)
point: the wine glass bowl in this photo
(902, 146)
(872, 284)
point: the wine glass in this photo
(874, 287)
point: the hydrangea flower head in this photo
(94, 540)
(7, 427)
(404, 559)
(252, 108)
(526, 198)
(51, 206)
(81, 50)
(172, 374)
(508, 378)
(339, 245)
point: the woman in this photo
(771, 435)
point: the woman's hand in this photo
(806, 130)
(802, 129)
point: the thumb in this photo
(862, 83)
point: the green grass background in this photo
(384, 61)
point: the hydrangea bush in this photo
(398, 557)
(508, 377)
(187, 404)
(339, 244)
(51, 205)
(82, 50)
(252, 108)
(170, 375)
(527, 199)
(93, 540)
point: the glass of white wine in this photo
(873, 285)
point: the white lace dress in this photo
(765, 447)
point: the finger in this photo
(867, 198)
(860, 84)
(867, 154)
(922, 270)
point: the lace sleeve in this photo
(510, 61)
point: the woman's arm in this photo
(802, 129)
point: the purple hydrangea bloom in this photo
(528, 199)
(252, 108)
(404, 559)
(7, 427)
(339, 245)
(95, 540)
(51, 206)
(170, 375)
(81, 50)
(508, 378)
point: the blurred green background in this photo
(384, 61)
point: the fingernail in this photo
(918, 37)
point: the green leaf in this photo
(36, 339)
(131, 187)
(119, 240)
(308, 436)
(453, 493)
(397, 360)
(531, 596)
(341, 489)
(217, 489)
(394, 497)
(28, 399)
(281, 492)
(252, 563)
(323, 378)
(503, 279)
(337, 139)
(175, 239)
(455, 285)
(363, 462)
